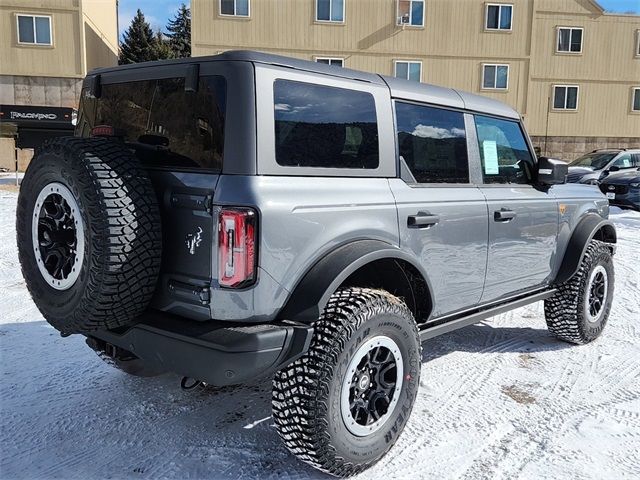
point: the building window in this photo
(408, 70)
(34, 29)
(569, 40)
(637, 43)
(330, 10)
(565, 97)
(635, 100)
(495, 77)
(330, 61)
(235, 8)
(498, 17)
(411, 12)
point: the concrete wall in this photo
(570, 148)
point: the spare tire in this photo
(89, 236)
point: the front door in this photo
(523, 219)
(442, 216)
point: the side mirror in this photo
(614, 168)
(552, 171)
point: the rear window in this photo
(319, 126)
(167, 126)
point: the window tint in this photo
(432, 143)
(503, 151)
(319, 126)
(164, 124)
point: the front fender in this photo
(590, 227)
(312, 293)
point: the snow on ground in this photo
(498, 400)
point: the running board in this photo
(455, 323)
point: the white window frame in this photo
(638, 43)
(331, 59)
(570, 37)
(495, 79)
(35, 36)
(566, 96)
(235, 9)
(344, 7)
(398, 17)
(634, 91)
(486, 17)
(408, 62)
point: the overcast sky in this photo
(157, 12)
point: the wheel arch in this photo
(591, 227)
(362, 263)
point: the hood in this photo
(576, 174)
(622, 177)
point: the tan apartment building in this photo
(571, 70)
(46, 49)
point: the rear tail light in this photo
(237, 247)
(103, 131)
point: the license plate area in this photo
(611, 195)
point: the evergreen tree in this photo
(139, 44)
(179, 32)
(163, 48)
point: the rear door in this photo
(174, 119)
(523, 219)
(442, 215)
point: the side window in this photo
(235, 8)
(623, 161)
(432, 143)
(319, 126)
(503, 150)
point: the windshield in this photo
(596, 161)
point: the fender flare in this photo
(311, 294)
(584, 232)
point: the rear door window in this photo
(166, 125)
(432, 143)
(326, 127)
(504, 152)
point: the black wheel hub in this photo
(57, 237)
(597, 292)
(373, 386)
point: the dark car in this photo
(623, 188)
(593, 167)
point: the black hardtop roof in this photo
(400, 88)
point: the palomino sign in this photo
(33, 116)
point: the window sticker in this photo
(490, 157)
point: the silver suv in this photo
(247, 215)
(594, 167)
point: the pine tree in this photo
(163, 48)
(179, 32)
(139, 43)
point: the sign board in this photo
(35, 116)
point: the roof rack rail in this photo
(608, 149)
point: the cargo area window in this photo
(495, 77)
(504, 152)
(411, 12)
(330, 10)
(432, 143)
(320, 126)
(235, 8)
(565, 97)
(498, 17)
(408, 70)
(34, 29)
(166, 125)
(569, 40)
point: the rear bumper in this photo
(218, 353)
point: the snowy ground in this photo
(502, 399)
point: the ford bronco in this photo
(247, 215)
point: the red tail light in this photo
(236, 247)
(103, 131)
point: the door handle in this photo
(504, 215)
(422, 220)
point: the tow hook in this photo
(188, 383)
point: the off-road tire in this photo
(306, 393)
(122, 234)
(565, 311)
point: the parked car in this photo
(248, 215)
(623, 188)
(593, 167)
